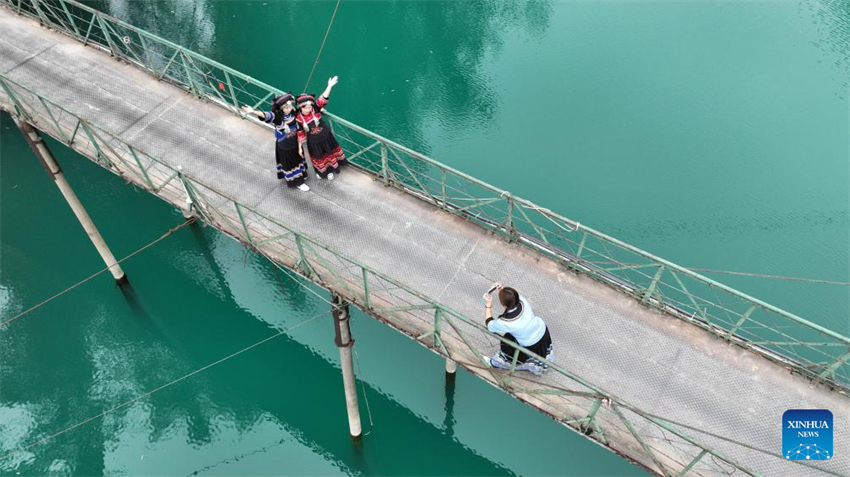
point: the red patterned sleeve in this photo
(322, 102)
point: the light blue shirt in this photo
(527, 328)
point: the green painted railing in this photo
(810, 349)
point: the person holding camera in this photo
(520, 325)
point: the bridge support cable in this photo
(158, 389)
(41, 151)
(345, 343)
(98, 273)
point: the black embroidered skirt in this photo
(290, 166)
(325, 153)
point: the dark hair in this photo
(508, 297)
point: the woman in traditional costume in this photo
(325, 153)
(290, 163)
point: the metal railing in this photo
(648, 440)
(815, 351)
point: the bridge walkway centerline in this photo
(658, 363)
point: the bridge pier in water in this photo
(41, 151)
(451, 368)
(344, 341)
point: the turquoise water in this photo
(712, 134)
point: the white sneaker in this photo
(304, 188)
(497, 362)
(331, 176)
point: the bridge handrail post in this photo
(192, 85)
(385, 168)
(744, 317)
(509, 221)
(89, 30)
(581, 245)
(42, 17)
(93, 141)
(70, 19)
(830, 369)
(692, 463)
(113, 50)
(148, 180)
(653, 285)
(242, 221)
(443, 196)
(366, 297)
(147, 53)
(302, 259)
(438, 327)
(53, 119)
(230, 88)
(74, 134)
(190, 203)
(514, 362)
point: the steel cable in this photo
(160, 388)
(309, 78)
(91, 277)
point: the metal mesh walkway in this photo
(657, 364)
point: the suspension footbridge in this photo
(674, 371)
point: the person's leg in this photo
(542, 348)
(503, 358)
(550, 348)
(506, 348)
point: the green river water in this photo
(714, 134)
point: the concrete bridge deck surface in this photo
(652, 361)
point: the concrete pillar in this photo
(344, 342)
(43, 154)
(451, 367)
(449, 418)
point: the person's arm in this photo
(488, 306)
(259, 114)
(323, 98)
(302, 137)
(488, 309)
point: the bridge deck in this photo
(653, 361)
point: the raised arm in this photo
(249, 110)
(331, 83)
(488, 308)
